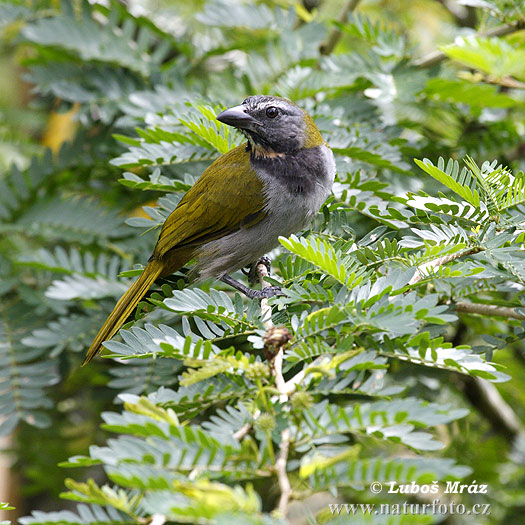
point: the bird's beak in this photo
(238, 117)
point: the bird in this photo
(270, 186)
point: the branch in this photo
(488, 401)
(282, 475)
(505, 82)
(465, 16)
(246, 428)
(489, 309)
(279, 379)
(275, 340)
(335, 34)
(423, 269)
(292, 383)
(266, 309)
(435, 57)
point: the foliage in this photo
(387, 298)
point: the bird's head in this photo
(274, 126)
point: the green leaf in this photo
(474, 94)
(462, 183)
(493, 56)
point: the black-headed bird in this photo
(271, 186)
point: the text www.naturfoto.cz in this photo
(406, 508)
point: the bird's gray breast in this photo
(295, 186)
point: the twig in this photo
(505, 82)
(435, 57)
(423, 269)
(489, 309)
(246, 428)
(335, 34)
(277, 364)
(292, 383)
(275, 339)
(266, 309)
(242, 431)
(282, 475)
(488, 401)
(280, 383)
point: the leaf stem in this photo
(423, 269)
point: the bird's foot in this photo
(252, 269)
(265, 293)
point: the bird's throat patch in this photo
(260, 152)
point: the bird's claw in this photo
(252, 273)
(265, 293)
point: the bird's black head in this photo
(273, 125)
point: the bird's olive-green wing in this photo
(226, 197)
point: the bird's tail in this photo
(124, 307)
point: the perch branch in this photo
(266, 310)
(275, 340)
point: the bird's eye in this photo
(272, 112)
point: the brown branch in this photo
(505, 82)
(242, 431)
(279, 379)
(485, 397)
(275, 340)
(282, 475)
(292, 383)
(246, 428)
(423, 269)
(335, 34)
(489, 309)
(435, 57)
